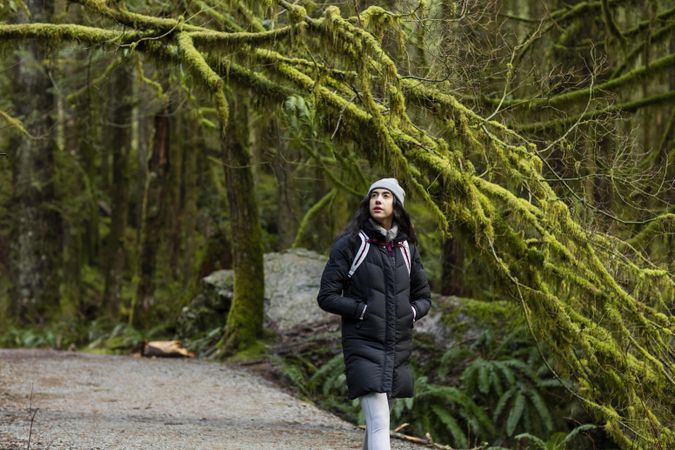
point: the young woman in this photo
(378, 303)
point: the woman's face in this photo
(382, 206)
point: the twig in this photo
(32, 419)
(30, 431)
(337, 126)
(358, 15)
(510, 70)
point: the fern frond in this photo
(447, 393)
(541, 408)
(468, 377)
(296, 377)
(550, 383)
(538, 442)
(572, 434)
(484, 378)
(496, 381)
(328, 375)
(452, 425)
(515, 414)
(502, 402)
(335, 381)
(333, 364)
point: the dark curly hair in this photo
(362, 214)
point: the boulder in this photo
(292, 281)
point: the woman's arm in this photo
(420, 293)
(333, 282)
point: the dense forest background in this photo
(146, 144)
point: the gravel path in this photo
(88, 401)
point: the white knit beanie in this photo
(392, 185)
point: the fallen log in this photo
(165, 349)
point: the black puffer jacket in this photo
(377, 347)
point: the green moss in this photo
(14, 124)
(218, 40)
(253, 352)
(66, 32)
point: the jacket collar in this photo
(377, 232)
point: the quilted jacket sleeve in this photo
(420, 293)
(334, 280)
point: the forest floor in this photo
(70, 400)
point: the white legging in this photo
(377, 408)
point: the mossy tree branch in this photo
(14, 124)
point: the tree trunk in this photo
(191, 256)
(244, 321)
(452, 277)
(36, 227)
(115, 241)
(151, 214)
(283, 164)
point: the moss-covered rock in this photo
(208, 310)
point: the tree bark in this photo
(282, 166)
(158, 165)
(115, 241)
(452, 275)
(245, 318)
(36, 228)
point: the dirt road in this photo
(120, 402)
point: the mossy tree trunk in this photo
(36, 225)
(245, 319)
